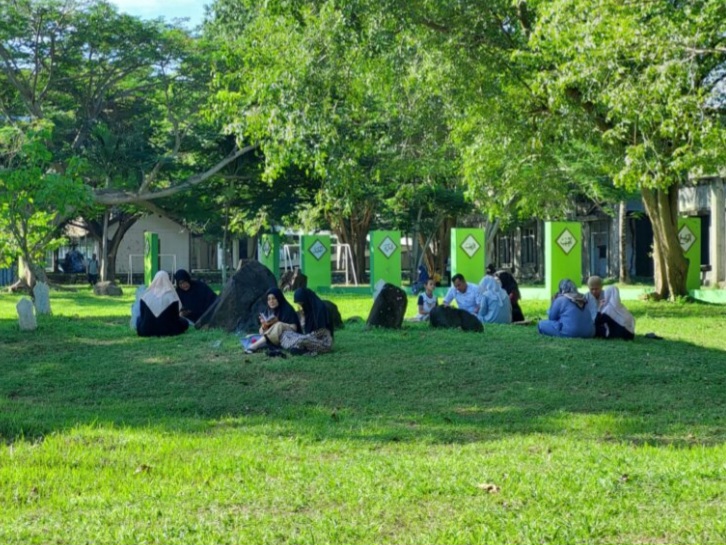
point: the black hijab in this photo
(316, 313)
(197, 299)
(509, 283)
(284, 311)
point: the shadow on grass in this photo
(378, 386)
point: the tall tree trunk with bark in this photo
(353, 230)
(623, 242)
(671, 267)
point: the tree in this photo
(637, 69)
(125, 95)
(33, 197)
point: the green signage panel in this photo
(315, 260)
(563, 253)
(385, 257)
(468, 254)
(151, 256)
(689, 235)
(268, 252)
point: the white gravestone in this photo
(26, 316)
(41, 296)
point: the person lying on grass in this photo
(317, 326)
(159, 310)
(569, 315)
(279, 317)
(614, 321)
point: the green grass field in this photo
(403, 437)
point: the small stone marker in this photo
(107, 289)
(26, 316)
(41, 298)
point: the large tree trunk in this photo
(353, 230)
(30, 272)
(96, 230)
(671, 267)
(623, 242)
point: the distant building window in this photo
(529, 246)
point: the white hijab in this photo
(491, 288)
(614, 308)
(161, 294)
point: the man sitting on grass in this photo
(466, 295)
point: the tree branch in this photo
(114, 197)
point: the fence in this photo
(7, 277)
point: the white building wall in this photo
(173, 240)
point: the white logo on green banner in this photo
(387, 247)
(266, 248)
(470, 246)
(686, 238)
(566, 241)
(318, 250)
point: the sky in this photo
(169, 9)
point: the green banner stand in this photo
(563, 253)
(268, 252)
(151, 256)
(385, 257)
(315, 260)
(689, 235)
(468, 254)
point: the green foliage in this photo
(34, 194)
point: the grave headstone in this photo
(563, 253)
(241, 301)
(107, 288)
(447, 317)
(26, 315)
(315, 260)
(389, 308)
(468, 254)
(385, 252)
(41, 298)
(268, 252)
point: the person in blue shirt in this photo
(466, 295)
(494, 304)
(569, 315)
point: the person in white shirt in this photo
(466, 295)
(426, 301)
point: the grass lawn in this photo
(403, 437)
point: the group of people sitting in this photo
(599, 313)
(495, 300)
(164, 310)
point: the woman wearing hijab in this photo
(195, 296)
(279, 317)
(568, 315)
(509, 284)
(318, 327)
(159, 310)
(614, 321)
(494, 304)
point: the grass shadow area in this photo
(414, 384)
